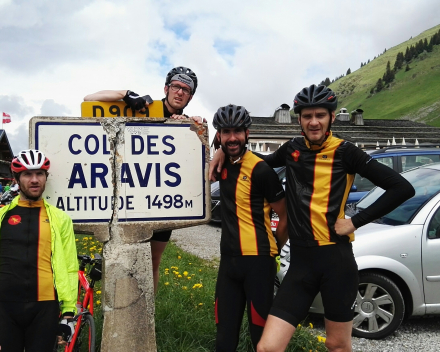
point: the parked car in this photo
(399, 159)
(216, 212)
(398, 259)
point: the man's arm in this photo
(397, 190)
(281, 234)
(106, 95)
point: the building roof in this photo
(368, 135)
(6, 153)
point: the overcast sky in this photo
(253, 53)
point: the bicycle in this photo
(83, 338)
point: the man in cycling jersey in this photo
(320, 169)
(180, 86)
(38, 263)
(249, 188)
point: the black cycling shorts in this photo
(163, 236)
(331, 270)
(30, 326)
(243, 281)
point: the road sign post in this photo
(121, 179)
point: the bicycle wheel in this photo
(85, 341)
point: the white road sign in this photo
(160, 170)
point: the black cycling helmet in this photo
(231, 116)
(184, 75)
(315, 96)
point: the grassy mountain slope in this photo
(413, 95)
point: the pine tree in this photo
(379, 85)
(408, 56)
(407, 68)
(388, 76)
(327, 82)
(419, 47)
(399, 61)
(362, 64)
(348, 71)
(425, 44)
(430, 46)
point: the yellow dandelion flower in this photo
(185, 273)
(166, 269)
(189, 277)
(299, 325)
(179, 257)
(200, 304)
(166, 283)
(167, 273)
(200, 270)
(179, 276)
(189, 263)
(184, 287)
(193, 274)
(98, 292)
(321, 339)
(174, 267)
(311, 325)
(76, 240)
(98, 302)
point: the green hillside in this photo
(413, 95)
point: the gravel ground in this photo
(414, 335)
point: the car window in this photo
(411, 161)
(364, 185)
(434, 226)
(282, 174)
(426, 183)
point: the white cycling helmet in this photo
(30, 159)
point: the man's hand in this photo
(216, 164)
(344, 227)
(197, 119)
(135, 102)
(66, 330)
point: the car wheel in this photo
(380, 307)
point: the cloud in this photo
(51, 108)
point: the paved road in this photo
(413, 336)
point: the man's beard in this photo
(31, 197)
(241, 150)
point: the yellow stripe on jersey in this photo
(322, 180)
(247, 231)
(46, 290)
(341, 215)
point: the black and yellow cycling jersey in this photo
(319, 179)
(246, 189)
(25, 254)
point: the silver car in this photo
(398, 257)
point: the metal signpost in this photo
(121, 178)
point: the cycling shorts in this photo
(243, 281)
(331, 270)
(30, 326)
(163, 236)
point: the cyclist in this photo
(38, 263)
(320, 169)
(249, 188)
(180, 86)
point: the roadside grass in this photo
(185, 305)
